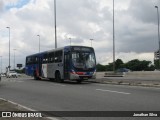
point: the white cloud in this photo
(106, 58)
(135, 27)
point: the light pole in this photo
(55, 24)
(70, 40)
(1, 64)
(113, 41)
(39, 42)
(9, 47)
(14, 58)
(91, 42)
(158, 33)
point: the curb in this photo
(132, 84)
(129, 83)
(27, 108)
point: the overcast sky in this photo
(81, 20)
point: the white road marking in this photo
(113, 91)
(12, 80)
(59, 84)
(101, 84)
(156, 88)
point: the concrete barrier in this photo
(112, 74)
(140, 78)
(151, 74)
(144, 73)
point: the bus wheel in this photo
(58, 77)
(79, 81)
(51, 79)
(36, 77)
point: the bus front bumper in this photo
(75, 76)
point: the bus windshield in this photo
(83, 59)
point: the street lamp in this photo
(70, 40)
(158, 33)
(91, 42)
(9, 47)
(55, 24)
(39, 42)
(14, 58)
(113, 41)
(1, 64)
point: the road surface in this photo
(69, 96)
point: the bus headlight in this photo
(73, 72)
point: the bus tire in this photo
(58, 77)
(35, 76)
(79, 81)
(51, 79)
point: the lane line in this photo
(101, 84)
(56, 84)
(113, 91)
(12, 81)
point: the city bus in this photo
(75, 63)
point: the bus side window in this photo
(36, 60)
(43, 60)
(49, 57)
(56, 59)
(27, 61)
(31, 60)
(58, 56)
(53, 56)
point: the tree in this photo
(137, 65)
(134, 65)
(20, 71)
(100, 67)
(119, 63)
(156, 64)
(109, 67)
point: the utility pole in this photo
(9, 48)
(55, 24)
(113, 41)
(14, 59)
(91, 42)
(39, 42)
(158, 33)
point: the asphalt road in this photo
(70, 96)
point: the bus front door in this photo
(40, 66)
(66, 66)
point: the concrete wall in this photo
(155, 74)
(144, 73)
